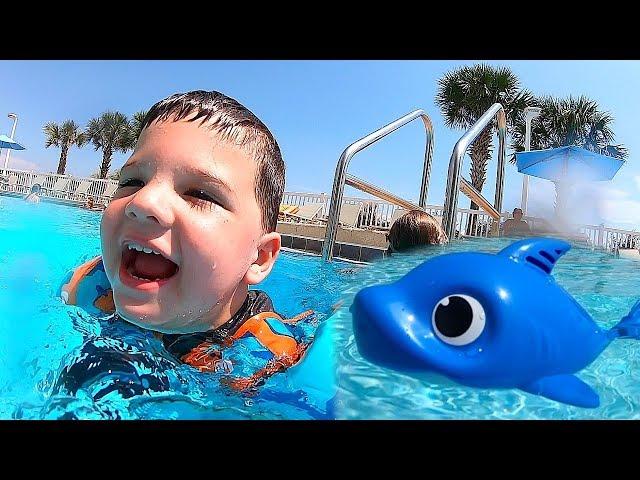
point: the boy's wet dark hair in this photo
(413, 229)
(236, 124)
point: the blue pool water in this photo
(39, 335)
(605, 286)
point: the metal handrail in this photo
(343, 164)
(453, 176)
(380, 193)
(470, 191)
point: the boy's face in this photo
(190, 199)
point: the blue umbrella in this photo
(6, 142)
(568, 164)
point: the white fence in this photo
(378, 214)
(375, 214)
(610, 238)
(63, 187)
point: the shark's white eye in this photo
(458, 319)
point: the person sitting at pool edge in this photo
(90, 205)
(189, 229)
(33, 195)
(413, 229)
(515, 225)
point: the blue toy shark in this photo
(488, 321)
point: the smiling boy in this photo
(189, 229)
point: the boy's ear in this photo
(268, 250)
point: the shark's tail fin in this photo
(629, 326)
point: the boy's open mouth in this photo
(146, 264)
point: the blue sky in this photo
(316, 108)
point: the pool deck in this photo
(352, 244)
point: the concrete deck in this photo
(351, 244)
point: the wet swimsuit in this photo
(254, 344)
(255, 329)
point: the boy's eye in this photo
(130, 182)
(201, 195)
(201, 199)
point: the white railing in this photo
(302, 198)
(377, 214)
(610, 238)
(472, 223)
(21, 181)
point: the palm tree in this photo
(136, 124)
(112, 176)
(64, 136)
(568, 121)
(110, 132)
(465, 94)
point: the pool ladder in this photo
(454, 182)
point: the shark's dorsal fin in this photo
(541, 253)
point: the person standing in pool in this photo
(415, 229)
(189, 229)
(516, 226)
(33, 195)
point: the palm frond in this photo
(569, 121)
(52, 133)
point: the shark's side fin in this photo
(566, 389)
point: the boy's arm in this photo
(87, 286)
(70, 285)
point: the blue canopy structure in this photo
(6, 142)
(568, 164)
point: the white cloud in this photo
(636, 179)
(18, 163)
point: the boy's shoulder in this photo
(256, 339)
(255, 327)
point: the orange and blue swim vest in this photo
(267, 341)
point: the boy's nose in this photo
(146, 207)
(134, 213)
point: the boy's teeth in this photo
(140, 248)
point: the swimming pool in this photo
(605, 286)
(39, 335)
